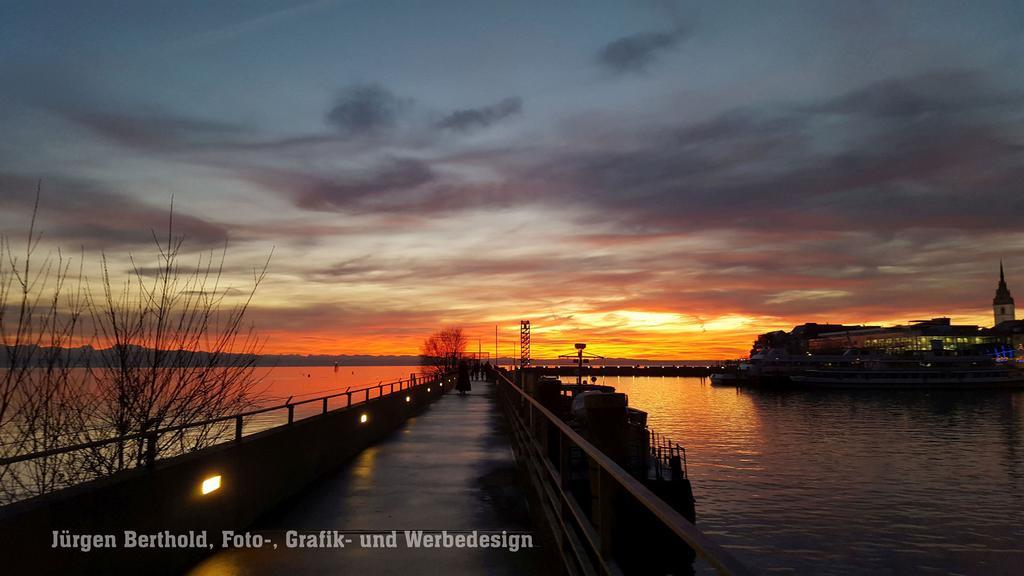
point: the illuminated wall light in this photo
(428, 389)
(408, 398)
(363, 418)
(211, 484)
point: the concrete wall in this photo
(258, 473)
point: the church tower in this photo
(1002, 304)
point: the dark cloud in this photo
(474, 118)
(890, 155)
(366, 109)
(82, 212)
(203, 141)
(935, 150)
(349, 324)
(158, 131)
(359, 191)
(945, 92)
(902, 157)
(635, 52)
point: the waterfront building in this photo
(934, 336)
(797, 340)
(1008, 339)
(937, 336)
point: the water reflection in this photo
(306, 382)
(839, 482)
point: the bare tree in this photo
(179, 354)
(43, 403)
(442, 350)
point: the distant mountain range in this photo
(89, 356)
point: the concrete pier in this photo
(450, 468)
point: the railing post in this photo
(348, 397)
(291, 413)
(325, 405)
(542, 431)
(151, 450)
(565, 511)
(238, 428)
(605, 511)
(563, 460)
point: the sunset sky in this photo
(659, 179)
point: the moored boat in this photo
(924, 375)
(725, 379)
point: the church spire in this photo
(1002, 304)
(1002, 292)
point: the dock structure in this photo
(601, 518)
(449, 468)
(401, 478)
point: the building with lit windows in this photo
(937, 336)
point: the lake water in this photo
(822, 482)
(814, 482)
(303, 382)
(850, 482)
(309, 382)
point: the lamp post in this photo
(579, 362)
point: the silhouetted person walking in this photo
(462, 382)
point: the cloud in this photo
(853, 162)
(935, 158)
(636, 52)
(474, 118)
(352, 191)
(799, 295)
(948, 92)
(157, 131)
(85, 213)
(366, 109)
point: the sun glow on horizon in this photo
(653, 335)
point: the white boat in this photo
(725, 379)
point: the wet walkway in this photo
(449, 468)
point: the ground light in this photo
(211, 484)
(408, 398)
(363, 418)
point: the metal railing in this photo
(585, 529)
(151, 437)
(665, 455)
